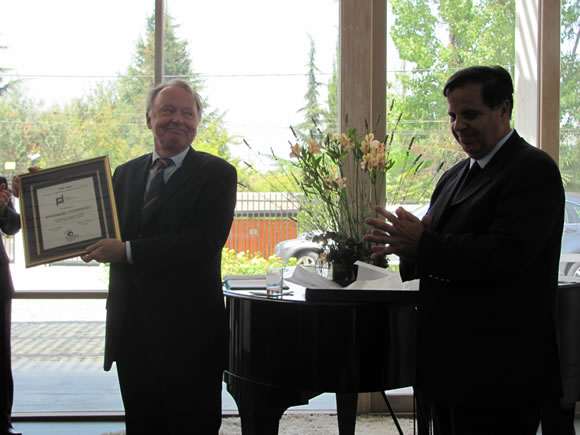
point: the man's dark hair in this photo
(496, 84)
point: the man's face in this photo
(173, 120)
(474, 125)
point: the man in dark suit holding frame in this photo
(9, 224)
(166, 325)
(487, 258)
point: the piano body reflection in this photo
(285, 351)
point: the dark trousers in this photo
(558, 419)
(6, 381)
(454, 418)
(168, 395)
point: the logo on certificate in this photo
(70, 235)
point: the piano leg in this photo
(264, 421)
(346, 404)
(260, 406)
(423, 413)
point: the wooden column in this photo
(159, 41)
(537, 73)
(362, 73)
(550, 77)
(362, 89)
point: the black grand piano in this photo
(285, 351)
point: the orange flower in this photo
(341, 182)
(345, 143)
(366, 143)
(314, 146)
(295, 150)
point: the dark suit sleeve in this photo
(10, 224)
(513, 229)
(204, 224)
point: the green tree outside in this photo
(108, 120)
(476, 33)
(569, 91)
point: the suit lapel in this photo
(183, 175)
(499, 162)
(180, 178)
(477, 183)
(444, 199)
(142, 173)
(129, 183)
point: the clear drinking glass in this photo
(274, 281)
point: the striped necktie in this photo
(157, 183)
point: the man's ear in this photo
(505, 108)
(148, 120)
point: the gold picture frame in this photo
(65, 209)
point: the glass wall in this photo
(73, 77)
(60, 62)
(570, 135)
(253, 59)
(430, 41)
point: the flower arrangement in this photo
(339, 196)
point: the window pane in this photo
(60, 61)
(251, 60)
(57, 357)
(418, 66)
(570, 136)
(253, 57)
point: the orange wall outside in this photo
(260, 234)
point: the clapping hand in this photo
(397, 233)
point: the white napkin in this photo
(369, 278)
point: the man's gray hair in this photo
(174, 82)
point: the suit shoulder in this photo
(526, 150)
(218, 163)
(133, 163)
(526, 165)
(533, 158)
(535, 153)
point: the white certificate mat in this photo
(69, 213)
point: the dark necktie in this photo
(471, 174)
(157, 183)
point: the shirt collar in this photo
(485, 160)
(177, 158)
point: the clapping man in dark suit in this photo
(9, 224)
(487, 258)
(166, 326)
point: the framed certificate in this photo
(66, 208)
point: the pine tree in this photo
(134, 85)
(313, 114)
(330, 114)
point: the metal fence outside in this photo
(262, 219)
